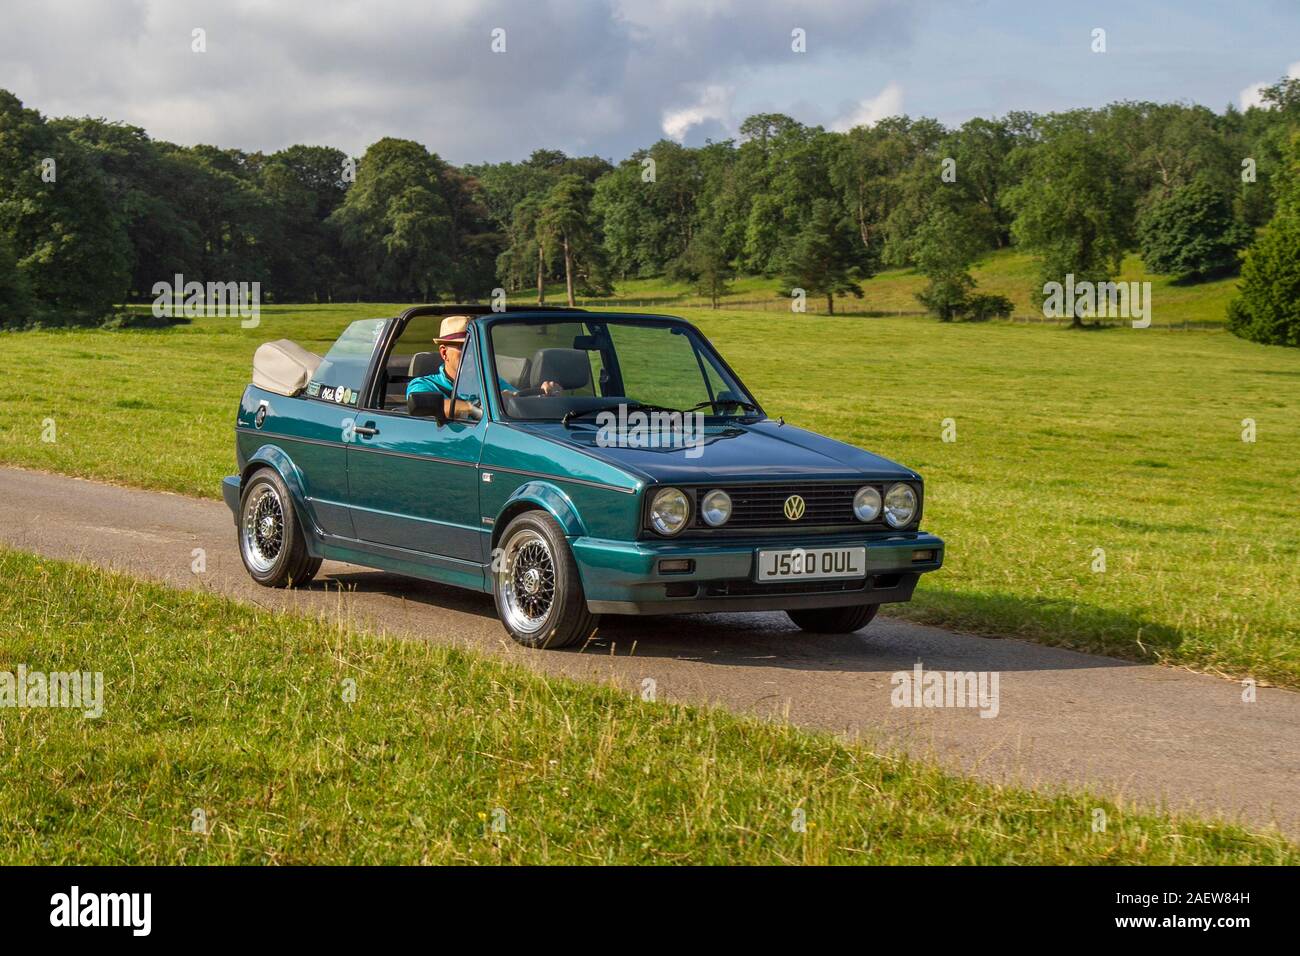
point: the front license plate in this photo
(812, 564)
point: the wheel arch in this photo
(278, 460)
(539, 496)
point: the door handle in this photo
(365, 430)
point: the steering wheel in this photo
(533, 391)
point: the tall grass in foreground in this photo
(212, 708)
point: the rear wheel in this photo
(834, 620)
(535, 583)
(271, 541)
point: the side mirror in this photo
(427, 405)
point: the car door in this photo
(313, 430)
(413, 484)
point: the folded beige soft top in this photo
(283, 367)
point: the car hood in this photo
(756, 451)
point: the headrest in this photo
(424, 363)
(569, 367)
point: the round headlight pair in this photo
(899, 504)
(670, 510)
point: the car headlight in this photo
(669, 511)
(900, 505)
(715, 509)
(866, 503)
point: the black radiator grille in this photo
(762, 506)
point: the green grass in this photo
(1007, 272)
(1120, 439)
(212, 706)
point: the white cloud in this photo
(714, 103)
(1252, 95)
(602, 76)
(869, 112)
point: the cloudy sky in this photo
(608, 76)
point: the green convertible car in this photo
(573, 464)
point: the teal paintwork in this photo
(621, 576)
(431, 501)
(604, 495)
(415, 485)
(543, 494)
(303, 440)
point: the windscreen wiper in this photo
(572, 416)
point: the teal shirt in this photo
(439, 382)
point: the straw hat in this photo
(453, 330)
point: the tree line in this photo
(94, 213)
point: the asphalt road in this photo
(1157, 736)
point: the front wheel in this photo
(535, 582)
(834, 620)
(271, 541)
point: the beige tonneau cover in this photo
(283, 367)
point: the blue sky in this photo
(984, 58)
(608, 76)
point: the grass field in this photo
(241, 715)
(1007, 272)
(1118, 439)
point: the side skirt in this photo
(415, 564)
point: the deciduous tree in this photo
(1071, 210)
(1192, 231)
(56, 217)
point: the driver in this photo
(451, 342)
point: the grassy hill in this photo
(1006, 272)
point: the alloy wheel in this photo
(263, 529)
(526, 581)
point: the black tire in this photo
(265, 511)
(531, 547)
(834, 620)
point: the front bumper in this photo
(622, 577)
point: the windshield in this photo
(342, 371)
(548, 369)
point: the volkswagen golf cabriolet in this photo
(572, 464)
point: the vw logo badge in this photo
(794, 507)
